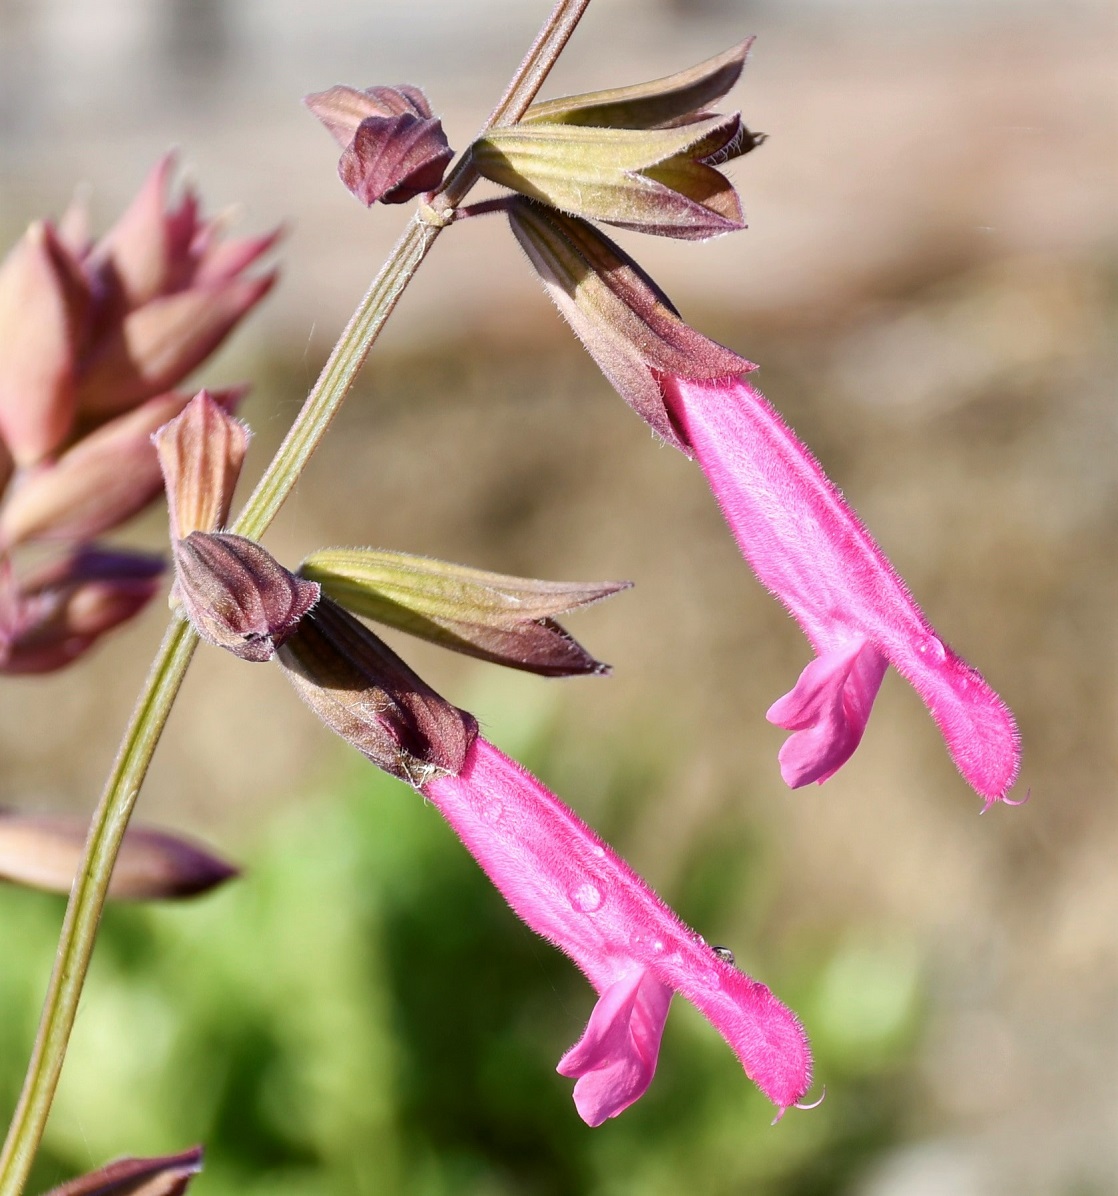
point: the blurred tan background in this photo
(928, 283)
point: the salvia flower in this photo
(393, 148)
(555, 873)
(793, 526)
(569, 887)
(808, 547)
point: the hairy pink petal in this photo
(569, 887)
(808, 548)
(615, 1059)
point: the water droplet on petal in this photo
(492, 811)
(724, 954)
(933, 648)
(599, 851)
(586, 898)
(658, 947)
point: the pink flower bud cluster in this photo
(94, 337)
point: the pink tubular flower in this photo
(570, 888)
(809, 549)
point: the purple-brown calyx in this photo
(237, 595)
(393, 148)
(569, 887)
(794, 527)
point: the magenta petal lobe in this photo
(615, 1059)
(827, 710)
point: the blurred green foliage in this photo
(361, 1014)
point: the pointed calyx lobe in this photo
(808, 547)
(393, 149)
(642, 157)
(628, 325)
(569, 887)
(659, 103)
(502, 619)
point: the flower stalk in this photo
(153, 707)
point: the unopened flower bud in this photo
(56, 614)
(366, 694)
(43, 851)
(200, 453)
(393, 147)
(237, 595)
(506, 620)
(166, 1176)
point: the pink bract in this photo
(809, 548)
(569, 887)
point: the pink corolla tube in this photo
(809, 548)
(569, 887)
